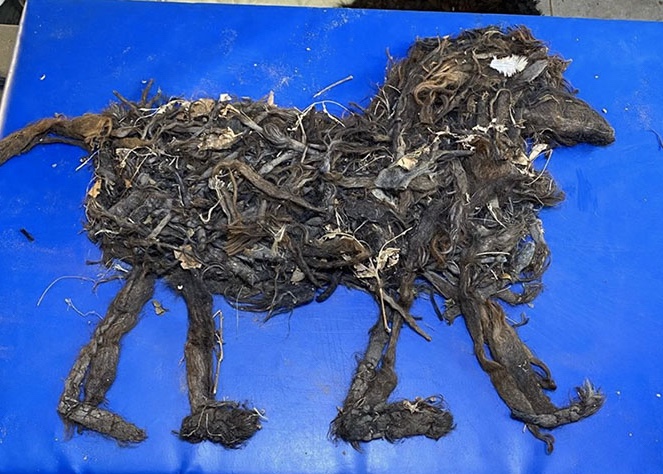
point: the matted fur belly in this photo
(431, 190)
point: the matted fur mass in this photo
(431, 190)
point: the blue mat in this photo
(598, 317)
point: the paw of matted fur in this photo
(226, 423)
(393, 421)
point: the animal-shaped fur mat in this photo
(431, 190)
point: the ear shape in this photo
(567, 120)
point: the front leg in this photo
(513, 371)
(366, 415)
(227, 423)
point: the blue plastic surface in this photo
(599, 316)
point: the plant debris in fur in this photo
(432, 189)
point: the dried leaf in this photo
(297, 276)
(94, 191)
(534, 70)
(158, 308)
(201, 108)
(407, 162)
(219, 139)
(278, 238)
(387, 258)
(185, 256)
(362, 271)
(537, 150)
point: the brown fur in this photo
(431, 189)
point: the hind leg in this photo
(95, 368)
(366, 415)
(227, 423)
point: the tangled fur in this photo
(432, 189)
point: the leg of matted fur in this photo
(94, 370)
(226, 423)
(366, 415)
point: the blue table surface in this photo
(599, 316)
